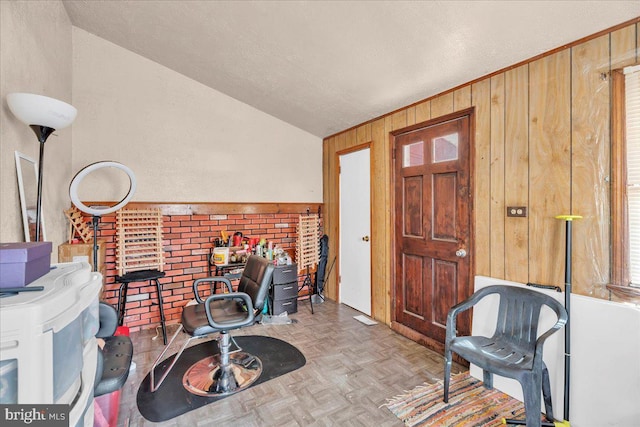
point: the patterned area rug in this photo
(470, 404)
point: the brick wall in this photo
(187, 242)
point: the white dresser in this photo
(47, 342)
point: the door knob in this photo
(461, 253)
(365, 238)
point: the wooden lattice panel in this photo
(78, 224)
(308, 245)
(139, 240)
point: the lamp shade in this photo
(41, 110)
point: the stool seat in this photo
(140, 276)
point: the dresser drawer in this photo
(288, 305)
(280, 292)
(285, 274)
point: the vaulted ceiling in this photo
(325, 66)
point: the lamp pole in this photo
(568, 219)
(42, 132)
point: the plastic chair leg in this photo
(447, 374)
(487, 379)
(546, 393)
(531, 389)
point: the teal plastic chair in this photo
(515, 350)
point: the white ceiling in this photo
(325, 66)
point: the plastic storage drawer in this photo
(285, 274)
(289, 305)
(287, 291)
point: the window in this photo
(413, 154)
(626, 177)
(445, 148)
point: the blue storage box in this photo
(22, 263)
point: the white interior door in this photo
(355, 230)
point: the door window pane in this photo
(413, 154)
(445, 148)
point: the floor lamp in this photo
(44, 115)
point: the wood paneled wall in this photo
(542, 141)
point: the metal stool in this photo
(140, 276)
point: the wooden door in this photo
(432, 226)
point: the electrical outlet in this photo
(517, 211)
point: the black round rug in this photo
(171, 399)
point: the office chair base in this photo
(207, 378)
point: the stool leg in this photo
(162, 319)
(122, 302)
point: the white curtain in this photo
(632, 111)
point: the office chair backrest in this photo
(255, 280)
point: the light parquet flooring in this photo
(351, 370)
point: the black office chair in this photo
(114, 359)
(229, 371)
(514, 351)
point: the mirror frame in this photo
(24, 167)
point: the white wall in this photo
(605, 358)
(184, 141)
(35, 57)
